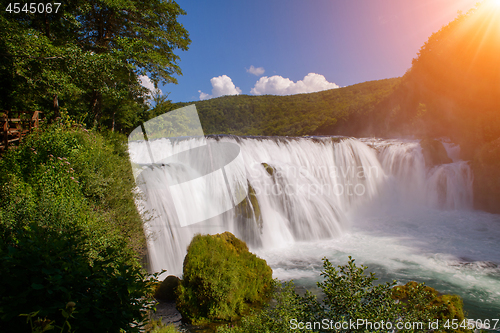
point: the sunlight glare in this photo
(494, 3)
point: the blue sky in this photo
(332, 42)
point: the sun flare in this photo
(493, 3)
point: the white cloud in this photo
(204, 95)
(278, 85)
(256, 71)
(221, 86)
(146, 82)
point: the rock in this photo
(249, 207)
(166, 290)
(167, 313)
(434, 152)
(221, 278)
(337, 139)
(249, 218)
(486, 169)
(270, 170)
(453, 304)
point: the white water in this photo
(371, 199)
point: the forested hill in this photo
(294, 115)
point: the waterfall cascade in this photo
(299, 189)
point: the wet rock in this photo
(486, 169)
(270, 170)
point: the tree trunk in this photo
(96, 106)
(56, 106)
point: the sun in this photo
(493, 3)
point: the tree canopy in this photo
(87, 58)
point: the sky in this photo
(284, 47)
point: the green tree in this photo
(88, 56)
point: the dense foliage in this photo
(295, 115)
(350, 294)
(220, 278)
(70, 232)
(88, 57)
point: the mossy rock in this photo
(221, 279)
(250, 207)
(403, 293)
(486, 169)
(270, 170)
(249, 218)
(167, 289)
(451, 306)
(434, 152)
(454, 307)
(338, 139)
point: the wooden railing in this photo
(14, 125)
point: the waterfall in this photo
(298, 189)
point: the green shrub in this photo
(62, 238)
(99, 165)
(350, 295)
(276, 317)
(220, 278)
(156, 326)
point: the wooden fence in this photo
(15, 125)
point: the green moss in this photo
(338, 139)
(221, 278)
(450, 306)
(270, 170)
(405, 292)
(156, 326)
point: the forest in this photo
(295, 115)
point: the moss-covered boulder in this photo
(434, 152)
(166, 291)
(486, 168)
(447, 306)
(221, 278)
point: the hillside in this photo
(453, 86)
(294, 115)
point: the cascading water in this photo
(313, 197)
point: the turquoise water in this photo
(455, 252)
